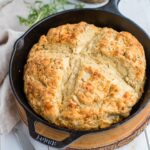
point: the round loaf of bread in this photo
(84, 77)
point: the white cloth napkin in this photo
(8, 114)
(8, 35)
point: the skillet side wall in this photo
(97, 17)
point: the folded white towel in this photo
(8, 115)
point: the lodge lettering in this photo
(45, 140)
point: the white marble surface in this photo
(138, 11)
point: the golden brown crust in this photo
(71, 38)
(83, 77)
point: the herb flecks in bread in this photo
(83, 77)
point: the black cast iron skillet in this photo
(105, 16)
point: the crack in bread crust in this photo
(83, 77)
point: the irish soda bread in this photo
(83, 77)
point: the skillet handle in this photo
(111, 6)
(57, 144)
